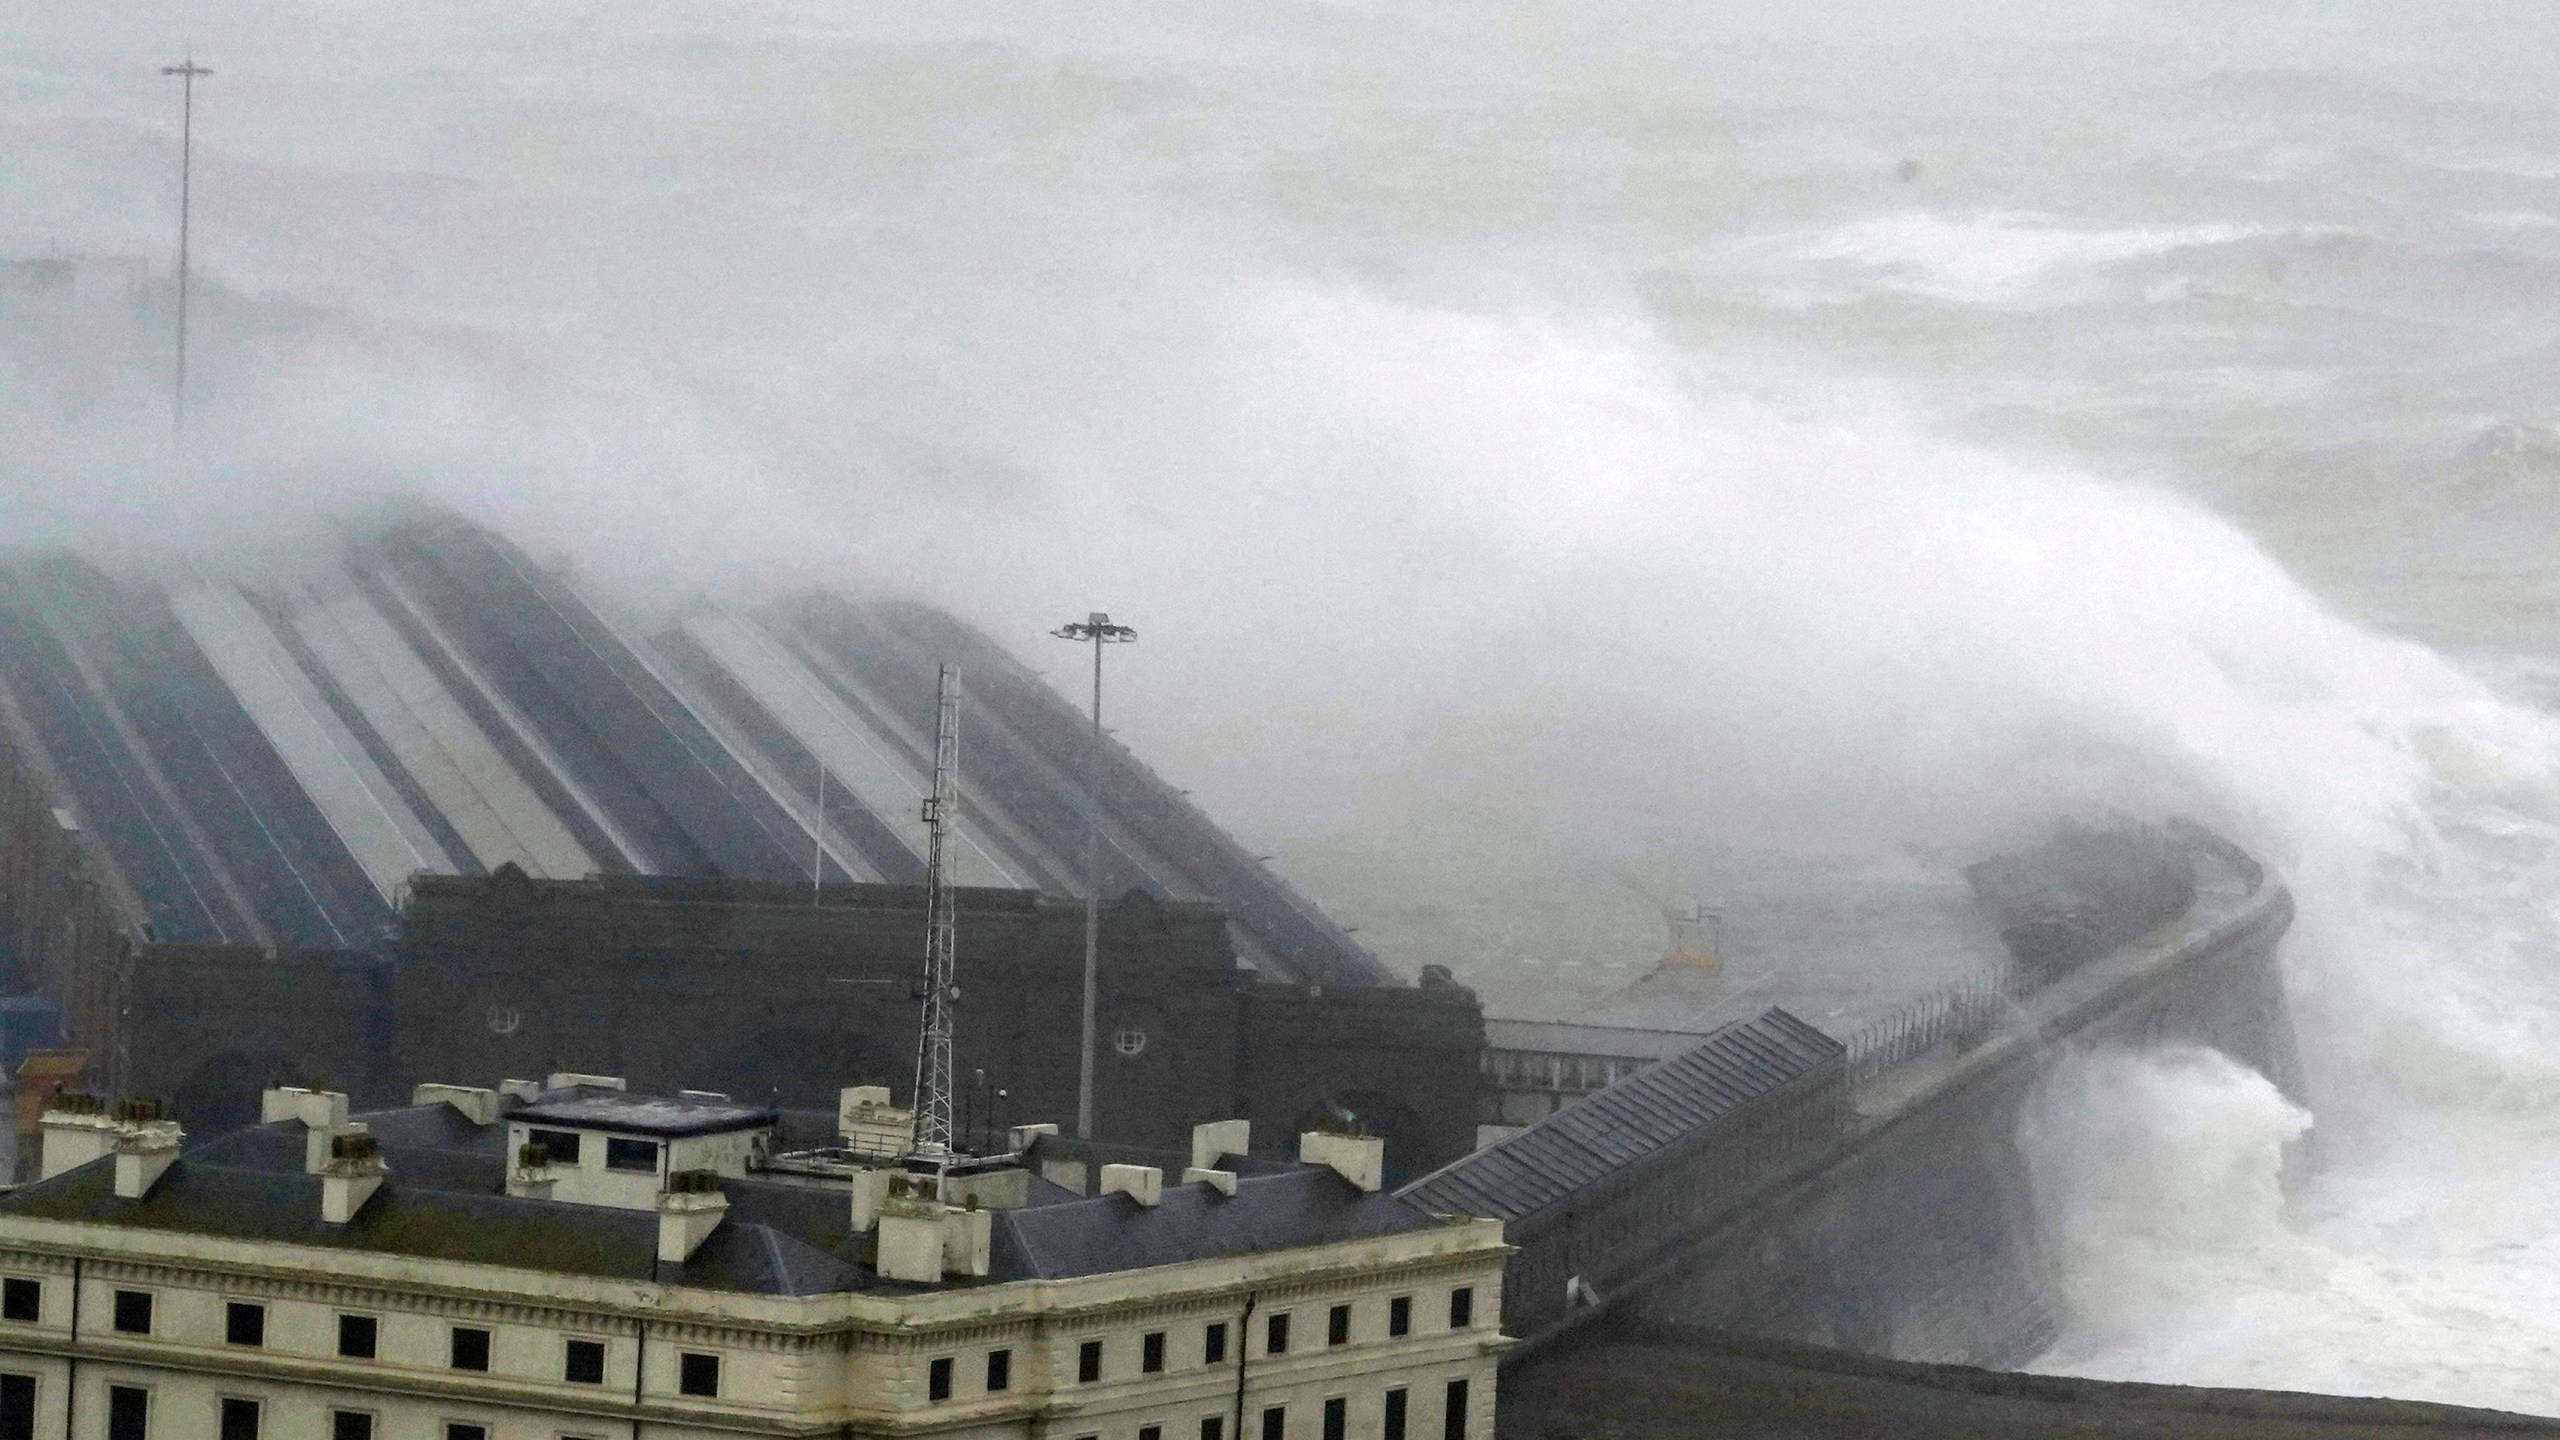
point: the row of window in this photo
(236, 1418)
(1394, 1411)
(244, 1323)
(1213, 1343)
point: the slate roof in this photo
(445, 1199)
(1311, 1205)
(1630, 1123)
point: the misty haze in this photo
(1638, 519)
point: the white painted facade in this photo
(847, 1364)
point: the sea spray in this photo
(2156, 1174)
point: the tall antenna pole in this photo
(933, 1040)
(186, 74)
(1098, 629)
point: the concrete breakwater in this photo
(1870, 1194)
(1916, 1235)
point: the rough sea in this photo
(1557, 455)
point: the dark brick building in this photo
(759, 990)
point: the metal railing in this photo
(1961, 1015)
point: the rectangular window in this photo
(133, 1314)
(1151, 1353)
(1400, 1315)
(21, 1299)
(465, 1430)
(1453, 1420)
(1213, 1427)
(999, 1370)
(582, 1362)
(1275, 1423)
(1337, 1325)
(937, 1380)
(470, 1348)
(621, 1154)
(1213, 1344)
(1088, 1362)
(1462, 1307)
(239, 1419)
(1391, 1425)
(128, 1413)
(1150, 1432)
(357, 1336)
(560, 1147)
(697, 1374)
(1337, 1419)
(244, 1322)
(17, 1407)
(350, 1425)
(1275, 1340)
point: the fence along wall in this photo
(1873, 1196)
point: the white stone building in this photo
(568, 1260)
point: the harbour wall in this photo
(1916, 1237)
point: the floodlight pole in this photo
(186, 74)
(1098, 630)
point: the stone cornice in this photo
(365, 1280)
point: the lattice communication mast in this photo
(933, 1146)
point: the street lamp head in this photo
(1097, 628)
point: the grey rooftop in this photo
(1631, 1123)
(445, 1199)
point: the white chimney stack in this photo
(1222, 1181)
(76, 1129)
(350, 1175)
(689, 1209)
(479, 1106)
(1219, 1139)
(1360, 1159)
(1142, 1183)
(318, 1109)
(909, 1247)
(144, 1152)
